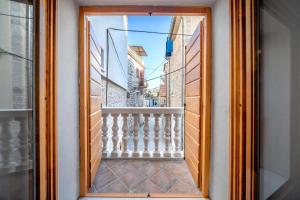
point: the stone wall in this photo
(117, 96)
(176, 80)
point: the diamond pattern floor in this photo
(141, 176)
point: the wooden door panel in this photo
(94, 104)
(193, 105)
(193, 62)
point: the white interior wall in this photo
(219, 185)
(280, 108)
(67, 100)
(275, 99)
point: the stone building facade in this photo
(116, 95)
(175, 81)
(114, 66)
(136, 83)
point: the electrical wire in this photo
(155, 69)
(117, 55)
(16, 16)
(165, 74)
(150, 32)
(15, 55)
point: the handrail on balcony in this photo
(172, 145)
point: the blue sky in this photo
(154, 44)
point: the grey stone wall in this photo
(175, 81)
(116, 95)
(136, 97)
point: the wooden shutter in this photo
(193, 104)
(94, 103)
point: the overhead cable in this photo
(113, 43)
(165, 74)
(16, 16)
(150, 32)
(2, 51)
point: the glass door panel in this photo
(16, 100)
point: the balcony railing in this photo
(145, 133)
(15, 140)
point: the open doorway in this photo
(144, 95)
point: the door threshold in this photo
(93, 196)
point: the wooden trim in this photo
(205, 110)
(206, 84)
(243, 97)
(46, 100)
(145, 10)
(83, 101)
(143, 195)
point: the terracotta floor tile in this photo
(102, 168)
(104, 179)
(121, 169)
(133, 178)
(164, 179)
(147, 187)
(188, 179)
(149, 169)
(183, 188)
(137, 164)
(115, 187)
(143, 176)
(111, 163)
(178, 168)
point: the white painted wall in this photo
(67, 100)
(219, 185)
(275, 103)
(280, 97)
(117, 72)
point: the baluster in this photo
(14, 141)
(25, 142)
(156, 153)
(167, 135)
(136, 153)
(146, 136)
(115, 137)
(104, 135)
(177, 138)
(3, 146)
(125, 137)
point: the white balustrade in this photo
(125, 129)
(152, 135)
(135, 152)
(167, 135)
(15, 140)
(104, 135)
(146, 135)
(115, 137)
(176, 136)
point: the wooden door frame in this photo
(45, 100)
(206, 87)
(243, 100)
